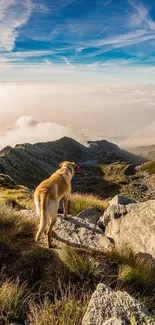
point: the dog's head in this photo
(70, 165)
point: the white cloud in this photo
(28, 129)
(13, 14)
(123, 114)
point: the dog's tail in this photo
(41, 203)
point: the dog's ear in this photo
(76, 168)
(61, 164)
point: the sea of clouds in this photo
(123, 114)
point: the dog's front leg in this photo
(65, 205)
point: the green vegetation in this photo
(139, 276)
(84, 268)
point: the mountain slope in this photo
(28, 164)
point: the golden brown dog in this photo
(48, 194)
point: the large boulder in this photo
(108, 307)
(80, 231)
(134, 231)
(117, 207)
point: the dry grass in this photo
(79, 202)
(137, 275)
(149, 167)
(16, 234)
(13, 301)
(21, 195)
(85, 268)
(68, 310)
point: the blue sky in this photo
(77, 40)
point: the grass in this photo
(149, 167)
(84, 268)
(16, 234)
(21, 196)
(68, 310)
(13, 301)
(80, 202)
(138, 276)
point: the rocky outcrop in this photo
(107, 307)
(7, 182)
(80, 231)
(131, 227)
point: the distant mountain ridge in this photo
(28, 164)
(144, 151)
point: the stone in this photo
(108, 307)
(116, 208)
(77, 231)
(135, 231)
(91, 214)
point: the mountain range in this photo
(28, 164)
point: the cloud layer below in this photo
(122, 114)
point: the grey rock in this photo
(107, 307)
(135, 231)
(145, 259)
(91, 214)
(122, 200)
(77, 232)
(116, 208)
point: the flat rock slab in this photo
(76, 231)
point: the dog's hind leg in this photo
(65, 205)
(44, 213)
(53, 217)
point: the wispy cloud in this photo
(13, 15)
(140, 16)
(107, 3)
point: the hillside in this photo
(92, 260)
(28, 164)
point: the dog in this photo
(48, 194)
